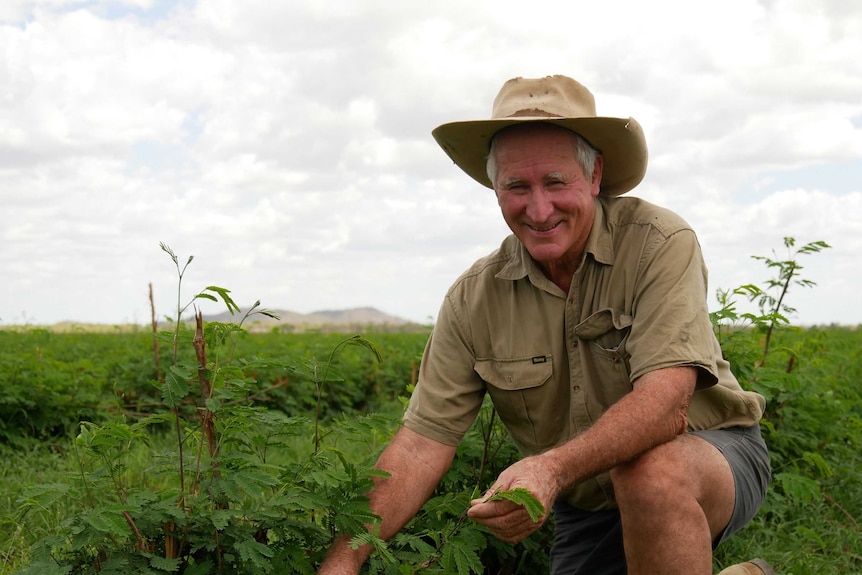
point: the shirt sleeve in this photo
(449, 392)
(670, 325)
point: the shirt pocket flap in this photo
(601, 323)
(514, 374)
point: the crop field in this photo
(91, 459)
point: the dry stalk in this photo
(206, 388)
(141, 544)
(155, 325)
(172, 546)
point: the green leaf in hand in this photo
(522, 497)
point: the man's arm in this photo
(415, 465)
(652, 414)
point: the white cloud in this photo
(287, 144)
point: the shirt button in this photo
(576, 388)
(575, 343)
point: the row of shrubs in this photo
(53, 381)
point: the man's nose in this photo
(540, 207)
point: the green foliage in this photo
(225, 499)
(809, 522)
(773, 309)
(51, 382)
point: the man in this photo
(589, 329)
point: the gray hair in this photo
(585, 154)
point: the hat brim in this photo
(621, 142)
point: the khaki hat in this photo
(556, 100)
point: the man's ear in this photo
(597, 174)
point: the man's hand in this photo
(507, 520)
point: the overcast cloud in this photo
(287, 146)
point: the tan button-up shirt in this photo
(553, 362)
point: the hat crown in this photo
(548, 97)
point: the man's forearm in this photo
(415, 466)
(654, 413)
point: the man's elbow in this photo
(680, 418)
(681, 423)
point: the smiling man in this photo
(546, 196)
(589, 330)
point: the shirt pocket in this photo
(605, 361)
(523, 393)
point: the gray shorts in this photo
(592, 542)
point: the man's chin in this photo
(545, 255)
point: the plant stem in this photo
(155, 326)
(790, 272)
(486, 448)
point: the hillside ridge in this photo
(352, 316)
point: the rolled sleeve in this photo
(449, 393)
(671, 324)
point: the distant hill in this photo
(355, 319)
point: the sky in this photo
(287, 145)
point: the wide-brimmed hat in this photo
(560, 101)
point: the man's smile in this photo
(543, 229)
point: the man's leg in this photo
(677, 499)
(587, 542)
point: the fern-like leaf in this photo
(522, 497)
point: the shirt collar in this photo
(601, 242)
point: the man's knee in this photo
(654, 477)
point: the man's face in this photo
(544, 195)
